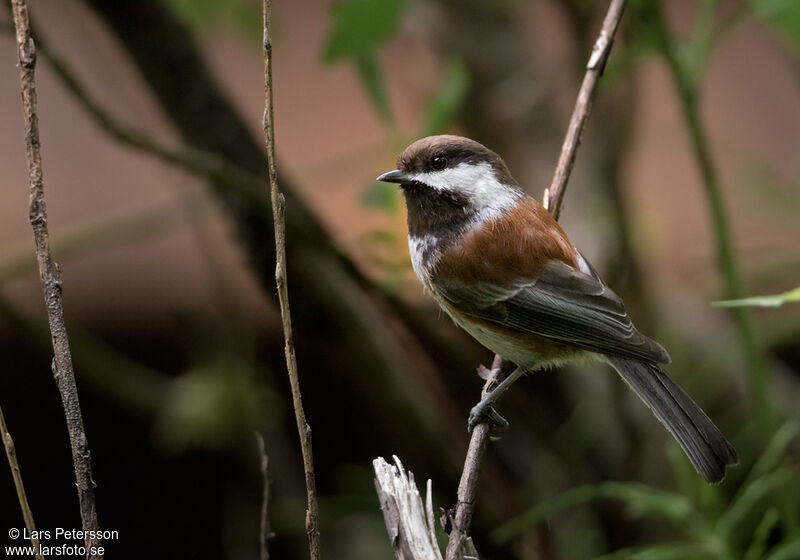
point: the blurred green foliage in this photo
(792, 296)
(213, 405)
(358, 29)
(783, 16)
(442, 111)
(204, 15)
(444, 107)
(761, 519)
(381, 195)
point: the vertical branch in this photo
(11, 455)
(278, 212)
(726, 255)
(265, 531)
(460, 542)
(553, 197)
(52, 285)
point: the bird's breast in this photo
(424, 250)
(527, 350)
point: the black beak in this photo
(394, 176)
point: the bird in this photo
(503, 269)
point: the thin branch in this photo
(553, 197)
(460, 542)
(11, 455)
(52, 284)
(278, 212)
(265, 530)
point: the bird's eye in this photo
(439, 163)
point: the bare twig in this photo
(467, 492)
(265, 530)
(52, 285)
(553, 196)
(411, 527)
(11, 455)
(460, 542)
(278, 211)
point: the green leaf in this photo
(789, 550)
(381, 195)
(698, 50)
(446, 104)
(372, 79)
(791, 296)
(665, 551)
(642, 501)
(761, 535)
(783, 16)
(744, 504)
(378, 237)
(775, 450)
(360, 26)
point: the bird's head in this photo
(450, 182)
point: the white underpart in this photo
(488, 197)
(417, 248)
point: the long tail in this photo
(700, 439)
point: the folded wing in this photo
(563, 304)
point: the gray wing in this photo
(563, 304)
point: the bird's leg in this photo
(485, 407)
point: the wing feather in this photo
(563, 304)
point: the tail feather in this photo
(700, 439)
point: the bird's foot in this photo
(485, 410)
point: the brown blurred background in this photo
(167, 274)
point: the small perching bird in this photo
(499, 264)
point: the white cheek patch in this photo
(488, 197)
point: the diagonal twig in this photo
(460, 542)
(52, 284)
(553, 196)
(265, 530)
(278, 212)
(11, 455)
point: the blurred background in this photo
(686, 191)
